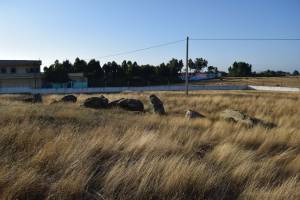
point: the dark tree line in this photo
(244, 69)
(132, 74)
(271, 73)
(113, 74)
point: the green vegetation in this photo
(125, 74)
(240, 69)
(112, 74)
(198, 65)
(132, 74)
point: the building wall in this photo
(20, 74)
(20, 70)
(70, 84)
(77, 80)
(21, 82)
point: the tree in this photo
(56, 73)
(113, 74)
(68, 66)
(296, 73)
(148, 74)
(124, 67)
(174, 67)
(212, 69)
(199, 64)
(271, 73)
(92, 67)
(80, 65)
(94, 73)
(191, 64)
(107, 72)
(240, 69)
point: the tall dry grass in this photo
(284, 81)
(64, 151)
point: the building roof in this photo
(20, 63)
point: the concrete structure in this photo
(20, 74)
(273, 89)
(199, 76)
(77, 80)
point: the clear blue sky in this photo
(65, 29)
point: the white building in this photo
(20, 74)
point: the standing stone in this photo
(69, 98)
(36, 98)
(96, 102)
(237, 116)
(114, 103)
(190, 114)
(157, 104)
(240, 117)
(131, 105)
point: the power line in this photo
(142, 49)
(197, 39)
(245, 39)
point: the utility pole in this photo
(187, 68)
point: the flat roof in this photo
(20, 63)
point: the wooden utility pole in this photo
(187, 68)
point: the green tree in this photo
(199, 64)
(212, 69)
(56, 73)
(113, 74)
(92, 67)
(94, 73)
(174, 67)
(68, 66)
(296, 73)
(80, 65)
(191, 64)
(148, 74)
(240, 69)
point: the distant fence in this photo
(141, 89)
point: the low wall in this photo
(115, 89)
(270, 88)
(141, 89)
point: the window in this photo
(13, 70)
(3, 70)
(32, 70)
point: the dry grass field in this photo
(286, 81)
(66, 151)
